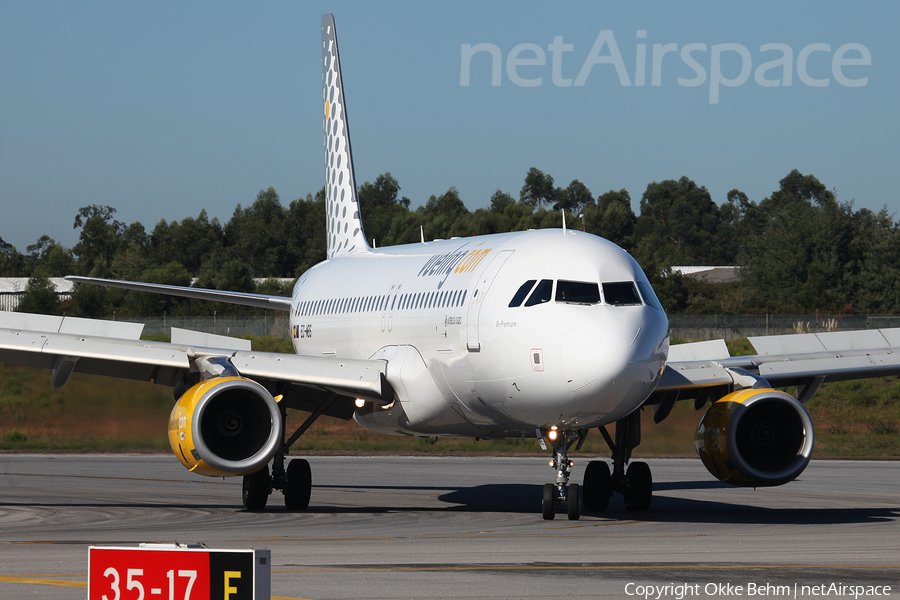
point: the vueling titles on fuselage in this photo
(457, 261)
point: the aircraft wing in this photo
(242, 298)
(69, 344)
(704, 370)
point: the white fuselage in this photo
(460, 359)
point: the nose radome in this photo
(588, 353)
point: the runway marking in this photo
(43, 581)
(106, 477)
(545, 567)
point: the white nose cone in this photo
(587, 354)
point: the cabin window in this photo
(621, 294)
(521, 293)
(543, 292)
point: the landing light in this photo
(360, 403)
(552, 435)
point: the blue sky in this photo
(164, 109)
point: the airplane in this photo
(543, 334)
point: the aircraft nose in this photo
(618, 353)
(589, 354)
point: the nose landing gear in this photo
(562, 493)
(634, 481)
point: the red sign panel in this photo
(169, 574)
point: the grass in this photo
(98, 414)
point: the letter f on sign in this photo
(229, 589)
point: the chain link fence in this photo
(692, 328)
(689, 328)
(275, 325)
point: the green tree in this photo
(40, 297)
(49, 258)
(12, 263)
(445, 216)
(306, 232)
(612, 218)
(678, 225)
(380, 205)
(802, 258)
(256, 236)
(538, 191)
(100, 238)
(573, 198)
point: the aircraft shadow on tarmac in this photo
(526, 499)
(523, 498)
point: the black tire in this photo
(638, 486)
(297, 485)
(256, 489)
(548, 505)
(573, 502)
(597, 489)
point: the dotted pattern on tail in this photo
(344, 226)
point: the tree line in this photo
(800, 249)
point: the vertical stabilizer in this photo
(344, 225)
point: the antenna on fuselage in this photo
(564, 220)
(422, 232)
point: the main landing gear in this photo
(635, 483)
(295, 481)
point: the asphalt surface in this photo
(447, 527)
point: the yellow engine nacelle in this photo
(755, 437)
(225, 426)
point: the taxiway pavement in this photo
(459, 527)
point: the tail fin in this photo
(344, 225)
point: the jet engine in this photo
(755, 437)
(225, 426)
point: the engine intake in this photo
(755, 437)
(225, 426)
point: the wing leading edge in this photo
(68, 345)
(784, 360)
(242, 298)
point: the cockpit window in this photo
(621, 294)
(542, 293)
(649, 295)
(578, 292)
(520, 295)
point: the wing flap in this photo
(100, 356)
(833, 368)
(709, 350)
(352, 377)
(74, 325)
(685, 376)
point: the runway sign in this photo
(177, 572)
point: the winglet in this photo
(344, 225)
